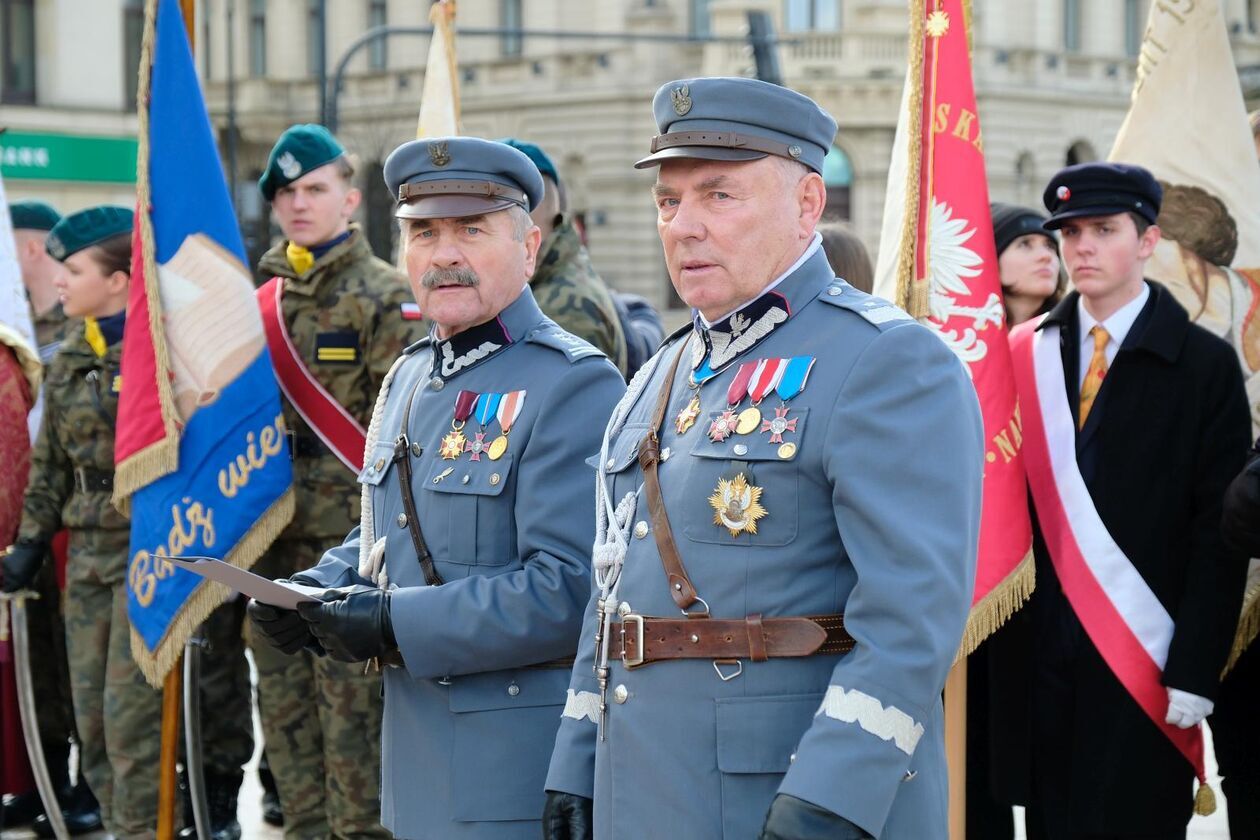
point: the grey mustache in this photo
(435, 277)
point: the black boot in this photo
(80, 810)
(25, 808)
(272, 813)
(221, 794)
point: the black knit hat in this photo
(1010, 222)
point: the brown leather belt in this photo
(641, 640)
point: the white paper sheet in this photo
(277, 594)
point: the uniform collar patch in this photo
(469, 348)
(742, 330)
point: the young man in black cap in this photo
(1135, 421)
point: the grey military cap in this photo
(727, 118)
(450, 177)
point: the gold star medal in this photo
(737, 505)
(454, 442)
(687, 417)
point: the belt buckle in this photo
(628, 663)
(80, 479)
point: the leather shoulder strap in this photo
(680, 586)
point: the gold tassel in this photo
(1204, 800)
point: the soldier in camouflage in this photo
(565, 284)
(31, 222)
(72, 478)
(345, 315)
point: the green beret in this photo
(299, 150)
(537, 155)
(87, 228)
(33, 215)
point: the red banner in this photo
(941, 266)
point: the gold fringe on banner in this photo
(1248, 626)
(161, 458)
(209, 595)
(999, 604)
(907, 298)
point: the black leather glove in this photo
(22, 563)
(790, 818)
(352, 624)
(567, 816)
(284, 629)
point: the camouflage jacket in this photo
(348, 299)
(76, 442)
(50, 331)
(570, 293)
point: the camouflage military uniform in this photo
(72, 466)
(50, 330)
(321, 718)
(570, 293)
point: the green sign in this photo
(67, 157)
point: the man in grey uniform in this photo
(470, 569)
(788, 510)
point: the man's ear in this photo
(1148, 240)
(354, 197)
(811, 194)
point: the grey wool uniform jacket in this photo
(873, 511)
(470, 718)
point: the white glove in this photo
(1185, 709)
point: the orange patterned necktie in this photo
(1096, 374)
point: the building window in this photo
(812, 15)
(204, 48)
(510, 17)
(1082, 151)
(838, 177)
(258, 37)
(378, 57)
(1132, 27)
(17, 51)
(701, 23)
(1072, 25)
(133, 34)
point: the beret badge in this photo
(681, 97)
(55, 247)
(439, 153)
(289, 165)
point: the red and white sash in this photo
(1125, 621)
(335, 426)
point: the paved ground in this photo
(1201, 828)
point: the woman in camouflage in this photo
(72, 479)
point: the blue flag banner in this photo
(201, 455)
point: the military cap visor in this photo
(454, 177)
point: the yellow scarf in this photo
(95, 338)
(300, 258)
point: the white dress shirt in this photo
(1117, 327)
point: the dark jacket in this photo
(1168, 431)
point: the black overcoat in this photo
(1168, 431)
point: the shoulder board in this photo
(874, 310)
(411, 349)
(570, 345)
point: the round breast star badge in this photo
(737, 505)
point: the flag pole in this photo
(172, 687)
(956, 747)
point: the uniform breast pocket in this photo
(743, 490)
(621, 463)
(466, 498)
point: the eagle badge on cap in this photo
(439, 153)
(1063, 193)
(289, 165)
(54, 246)
(681, 97)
